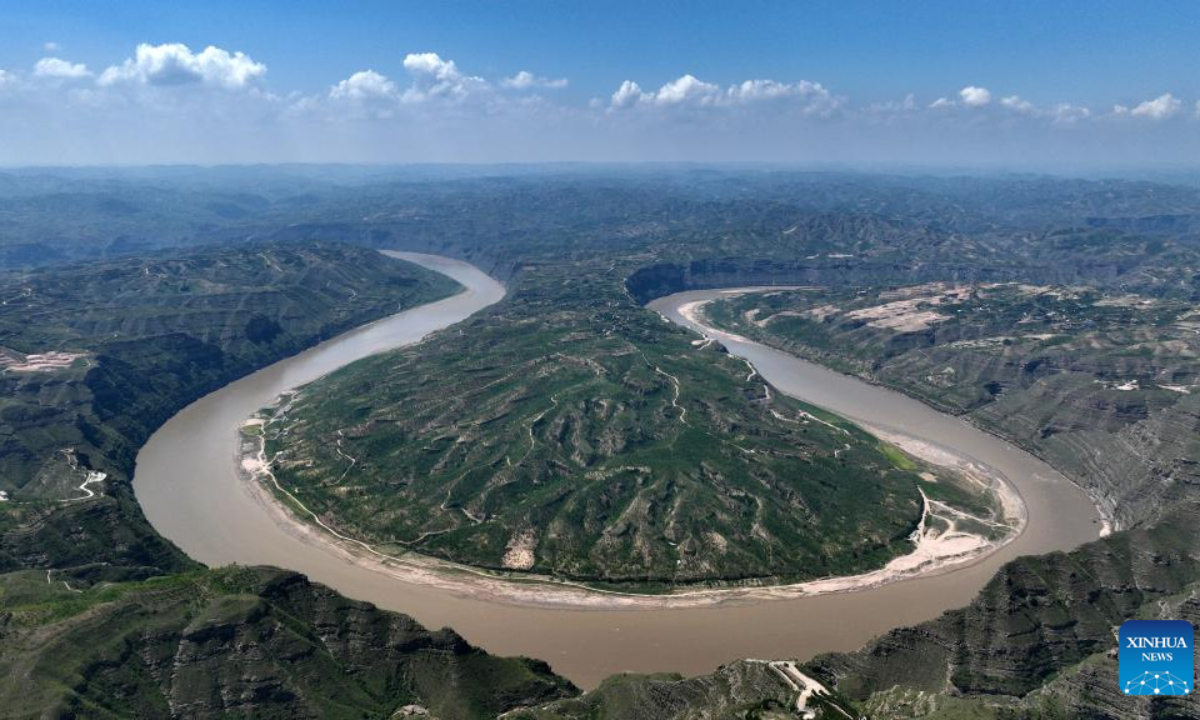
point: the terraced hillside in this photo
(570, 432)
(1036, 644)
(1038, 641)
(241, 642)
(94, 357)
(1105, 386)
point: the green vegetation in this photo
(742, 690)
(569, 432)
(1037, 638)
(240, 641)
(1104, 386)
(1033, 645)
(93, 358)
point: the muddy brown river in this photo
(187, 482)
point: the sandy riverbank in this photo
(939, 546)
(693, 312)
(193, 493)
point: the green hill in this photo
(245, 642)
(94, 357)
(572, 433)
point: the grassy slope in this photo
(97, 629)
(1106, 387)
(973, 207)
(155, 333)
(572, 421)
(1035, 643)
(240, 642)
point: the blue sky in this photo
(1010, 83)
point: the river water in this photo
(187, 483)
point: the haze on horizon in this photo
(1021, 84)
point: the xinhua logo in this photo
(1156, 657)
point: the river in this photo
(189, 487)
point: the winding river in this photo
(189, 487)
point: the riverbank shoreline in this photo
(187, 483)
(693, 312)
(935, 552)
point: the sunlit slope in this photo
(573, 433)
(1035, 644)
(94, 357)
(1103, 385)
(241, 642)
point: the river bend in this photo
(189, 487)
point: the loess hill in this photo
(1104, 385)
(241, 642)
(569, 432)
(1034, 644)
(94, 357)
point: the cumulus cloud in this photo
(52, 67)
(176, 64)
(434, 78)
(51, 46)
(1160, 108)
(525, 80)
(1017, 104)
(1059, 114)
(690, 91)
(629, 94)
(430, 63)
(973, 96)
(432, 100)
(687, 89)
(364, 85)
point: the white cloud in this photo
(687, 89)
(525, 80)
(813, 97)
(1068, 114)
(434, 109)
(629, 94)
(750, 90)
(53, 67)
(1017, 104)
(434, 77)
(973, 96)
(176, 64)
(433, 82)
(1059, 114)
(693, 92)
(364, 85)
(432, 64)
(51, 46)
(1160, 108)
